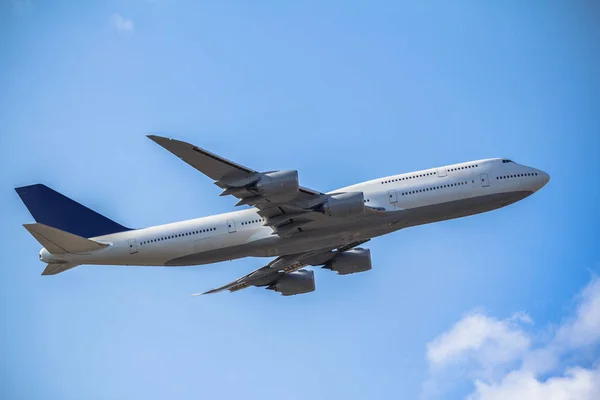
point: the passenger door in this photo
(132, 246)
(484, 180)
(392, 196)
(231, 225)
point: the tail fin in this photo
(61, 242)
(51, 208)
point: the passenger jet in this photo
(299, 226)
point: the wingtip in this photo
(157, 138)
(209, 292)
(202, 294)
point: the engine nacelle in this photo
(277, 183)
(351, 261)
(344, 204)
(298, 282)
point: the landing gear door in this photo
(132, 246)
(392, 196)
(485, 182)
(231, 225)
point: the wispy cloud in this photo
(121, 24)
(505, 361)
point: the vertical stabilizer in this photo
(51, 208)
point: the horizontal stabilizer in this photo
(57, 268)
(61, 242)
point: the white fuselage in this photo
(402, 200)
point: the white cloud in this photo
(121, 24)
(504, 361)
(476, 347)
(584, 329)
(479, 344)
(576, 384)
(479, 339)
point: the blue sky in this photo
(344, 92)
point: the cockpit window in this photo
(507, 160)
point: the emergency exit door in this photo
(392, 196)
(484, 180)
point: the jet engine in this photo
(277, 183)
(344, 204)
(351, 261)
(298, 282)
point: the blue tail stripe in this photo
(52, 208)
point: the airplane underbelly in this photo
(461, 208)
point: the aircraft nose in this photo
(546, 177)
(543, 179)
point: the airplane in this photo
(299, 226)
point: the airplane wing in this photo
(271, 273)
(262, 276)
(285, 205)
